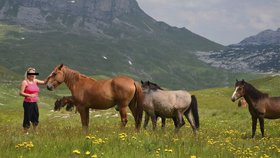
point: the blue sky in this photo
(223, 21)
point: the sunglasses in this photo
(33, 73)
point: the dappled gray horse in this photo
(170, 104)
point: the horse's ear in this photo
(243, 81)
(142, 82)
(148, 82)
(236, 80)
(60, 66)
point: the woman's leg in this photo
(26, 117)
(34, 115)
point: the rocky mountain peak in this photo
(266, 37)
(258, 53)
(86, 14)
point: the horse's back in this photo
(103, 94)
(272, 110)
(183, 99)
(123, 87)
(179, 98)
(122, 80)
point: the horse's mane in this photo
(74, 75)
(253, 92)
(154, 86)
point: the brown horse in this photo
(260, 104)
(100, 94)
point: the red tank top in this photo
(31, 88)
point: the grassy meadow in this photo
(225, 130)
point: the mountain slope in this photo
(111, 37)
(7, 75)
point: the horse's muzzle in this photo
(56, 108)
(50, 88)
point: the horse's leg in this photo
(183, 121)
(87, 116)
(190, 119)
(179, 118)
(154, 121)
(163, 122)
(175, 121)
(83, 114)
(147, 117)
(132, 108)
(123, 114)
(254, 125)
(261, 120)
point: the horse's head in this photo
(239, 90)
(150, 86)
(56, 77)
(58, 105)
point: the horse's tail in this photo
(194, 111)
(137, 107)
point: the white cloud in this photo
(223, 21)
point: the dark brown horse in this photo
(163, 119)
(260, 104)
(147, 118)
(66, 100)
(100, 94)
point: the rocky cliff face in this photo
(78, 15)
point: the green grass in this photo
(224, 132)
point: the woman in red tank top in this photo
(29, 90)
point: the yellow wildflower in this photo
(94, 156)
(87, 152)
(76, 152)
(168, 150)
(175, 140)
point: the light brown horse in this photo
(260, 104)
(100, 94)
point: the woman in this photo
(29, 90)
